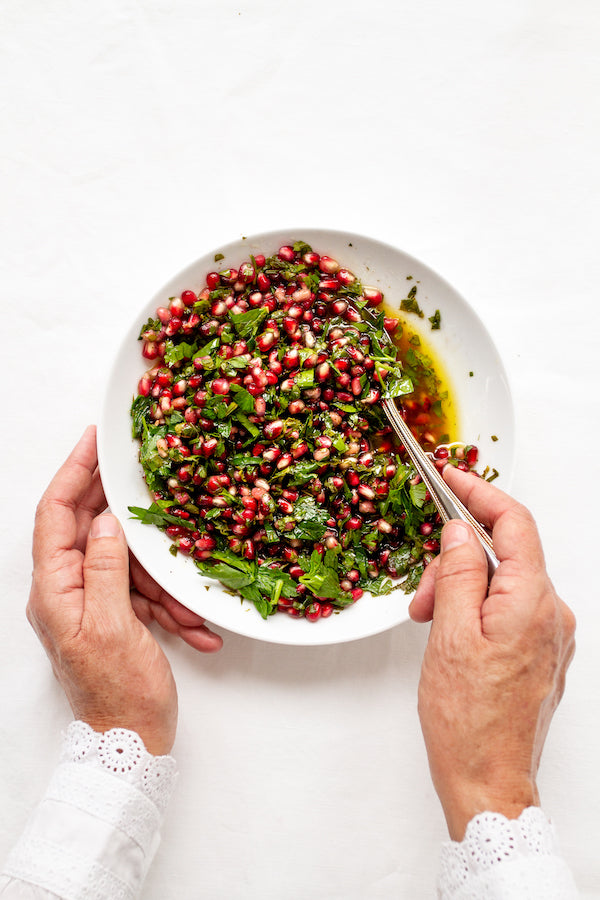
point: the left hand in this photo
(93, 628)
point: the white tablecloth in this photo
(136, 136)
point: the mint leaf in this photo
(397, 387)
(310, 520)
(156, 515)
(140, 414)
(417, 494)
(247, 323)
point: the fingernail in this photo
(105, 526)
(454, 534)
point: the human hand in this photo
(495, 663)
(93, 628)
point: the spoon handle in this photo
(446, 501)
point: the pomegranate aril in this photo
(373, 296)
(286, 253)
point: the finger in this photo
(421, 605)
(197, 636)
(55, 526)
(148, 587)
(461, 580)
(93, 503)
(514, 531)
(106, 572)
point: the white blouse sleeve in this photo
(506, 859)
(95, 833)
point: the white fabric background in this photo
(137, 135)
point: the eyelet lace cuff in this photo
(97, 828)
(505, 858)
(122, 753)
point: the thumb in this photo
(106, 569)
(461, 582)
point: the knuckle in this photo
(459, 563)
(569, 620)
(107, 561)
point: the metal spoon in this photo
(447, 503)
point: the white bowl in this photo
(462, 343)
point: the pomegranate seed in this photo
(188, 298)
(266, 340)
(284, 461)
(390, 324)
(209, 446)
(286, 253)
(271, 454)
(291, 359)
(246, 273)
(329, 284)
(353, 523)
(173, 327)
(372, 397)
(357, 594)
(314, 611)
(299, 450)
(339, 307)
(219, 308)
(328, 265)
(213, 280)
(144, 385)
(356, 387)
(290, 326)
(296, 406)
(353, 315)
(383, 526)
(177, 307)
(263, 282)
(372, 296)
(322, 371)
(471, 456)
(431, 546)
(274, 429)
(311, 258)
(185, 544)
(220, 386)
(150, 350)
(206, 543)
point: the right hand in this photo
(494, 667)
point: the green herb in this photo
(310, 520)
(435, 320)
(157, 515)
(219, 257)
(322, 580)
(409, 304)
(140, 412)
(151, 325)
(259, 584)
(301, 247)
(247, 323)
(417, 494)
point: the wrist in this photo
(462, 802)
